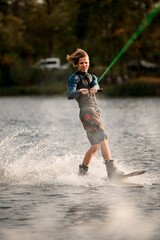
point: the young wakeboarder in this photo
(82, 86)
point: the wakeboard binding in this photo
(83, 170)
(114, 174)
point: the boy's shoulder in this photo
(74, 77)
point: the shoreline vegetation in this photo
(138, 87)
(33, 31)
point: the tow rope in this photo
(141, 28)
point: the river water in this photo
(42, 142)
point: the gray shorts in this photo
(90, 119)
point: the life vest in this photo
(85, 81)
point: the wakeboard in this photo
(120, 181)
(132, 174)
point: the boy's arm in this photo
(94, 85)
(72, 87)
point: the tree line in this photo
(30, 30)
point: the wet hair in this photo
(74, 57)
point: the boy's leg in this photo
(90, 153)
(83, 168)
(105, 150)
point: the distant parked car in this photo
(144, 66)
(50, 64)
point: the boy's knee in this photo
(95, 147)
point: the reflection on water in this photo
(42, 143)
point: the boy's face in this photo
(83, 64)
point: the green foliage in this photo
(32, 90)
(30, 31)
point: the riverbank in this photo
(141, 87)
(32, 90)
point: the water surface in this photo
(42, 142)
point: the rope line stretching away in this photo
(141, 28)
